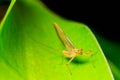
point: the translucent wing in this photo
(64, 39)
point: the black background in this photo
(101, 16)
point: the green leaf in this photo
(111, 50)
(31, 50)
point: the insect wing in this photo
(64, 39)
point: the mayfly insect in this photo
(71, 51)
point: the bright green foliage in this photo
(31, 50)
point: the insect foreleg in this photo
(87, 53)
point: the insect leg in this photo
(67, 64)
(70, 61)
(87, 53)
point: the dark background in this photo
(100, 16)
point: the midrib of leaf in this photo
(7, 13)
